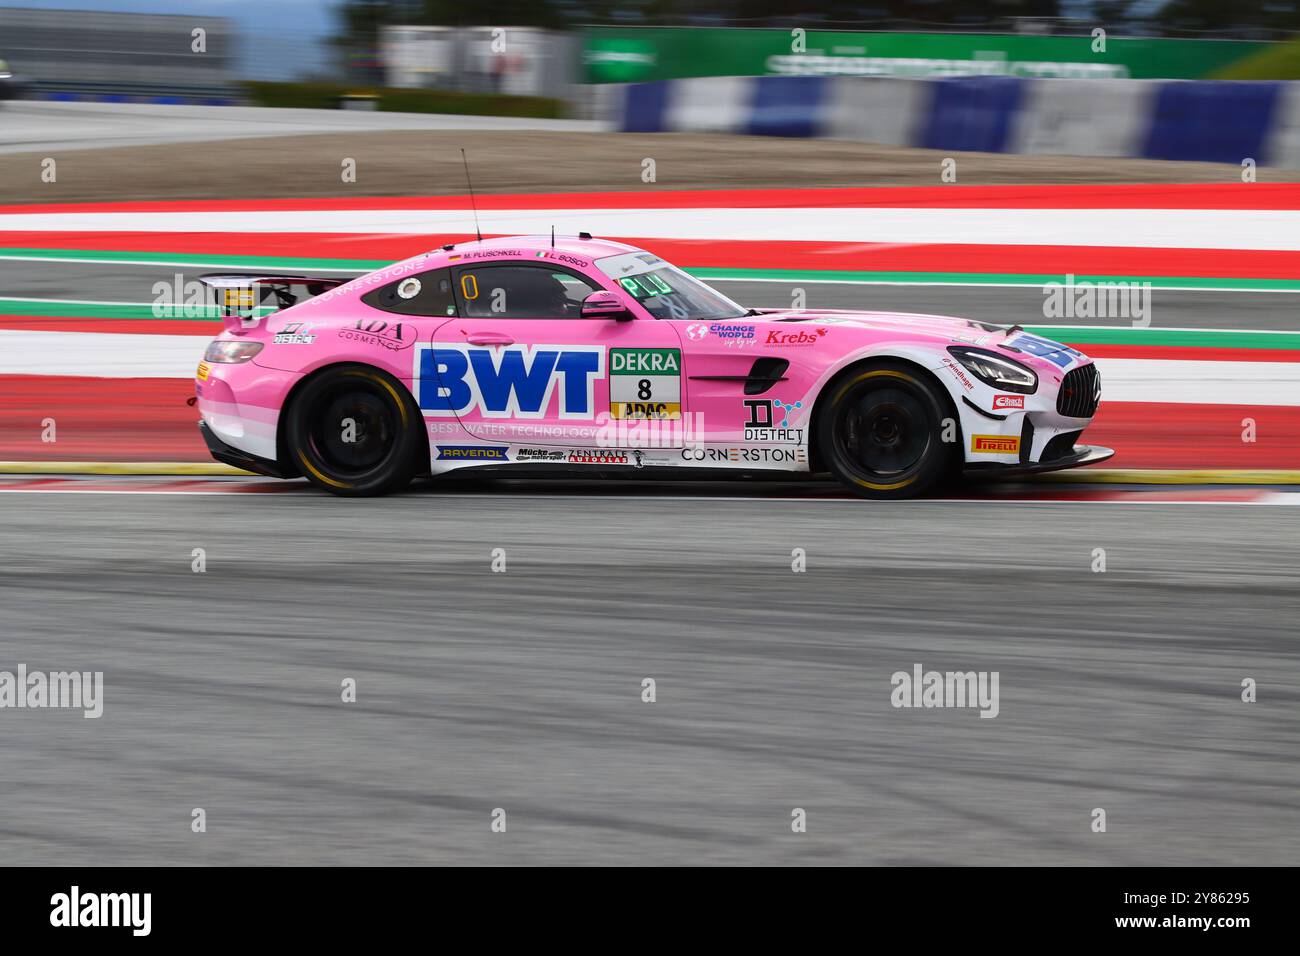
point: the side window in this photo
(521, 292)
(428, 293)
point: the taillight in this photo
(229, 351)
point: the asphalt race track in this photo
(1169, 308)
(522, 690)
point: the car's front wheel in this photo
(354, 430)
(883, 433)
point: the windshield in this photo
(665, 291)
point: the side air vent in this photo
(765, 373)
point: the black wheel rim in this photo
(353, 430)
(885, 431)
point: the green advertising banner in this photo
(633, 54)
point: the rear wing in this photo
(241, 294)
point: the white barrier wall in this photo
(1083, 118)
(877, 111)
(710, 104)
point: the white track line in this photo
(1148, 228)
(1264, 498)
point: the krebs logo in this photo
(797, 337)
(516, 381)
(385, 334)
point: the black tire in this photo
(378, 453)
(881, 435)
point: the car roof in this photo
(586, 248)
(483, 251)
(589, 247)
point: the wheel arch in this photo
(285, 460)
(822, 400)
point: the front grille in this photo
(1080, 393)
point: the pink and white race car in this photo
(579, 353)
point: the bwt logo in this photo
(516, 381)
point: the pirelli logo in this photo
(995, 444)
(240, 299)
(202, 372)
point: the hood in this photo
(941, 326)
(1042, 354)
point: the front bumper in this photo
(230, 455)
(1082, 455)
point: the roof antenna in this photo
(552, 235)
(472, 205)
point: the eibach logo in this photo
(1008, 401)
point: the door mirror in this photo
(605, 305)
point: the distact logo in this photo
(516, 381)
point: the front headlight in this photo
(995, 370)
(230, 351)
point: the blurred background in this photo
(416, 55)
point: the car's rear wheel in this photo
(354, 430)
(882, 435)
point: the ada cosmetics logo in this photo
(389, 335)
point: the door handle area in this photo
(489, 338)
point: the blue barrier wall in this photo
(787, 106)
(1203, 120)
(972, 114)
(644, 107)
(1212, 122)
